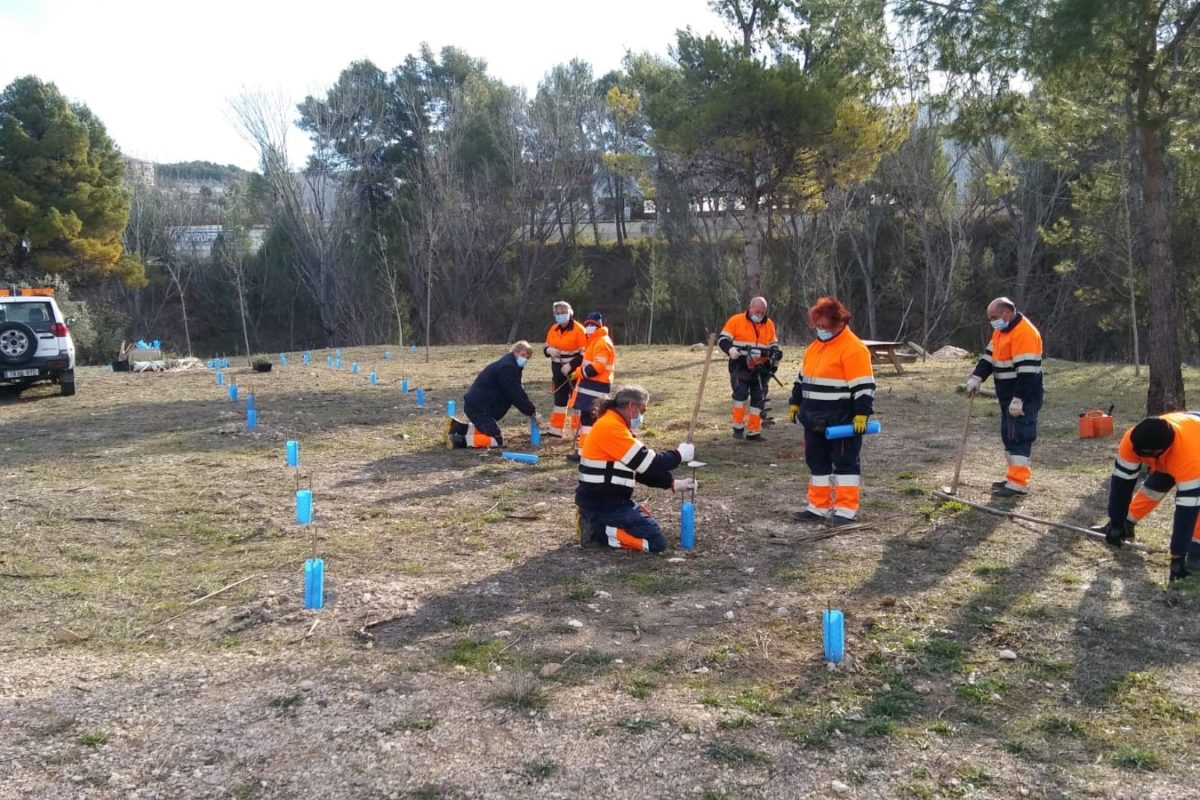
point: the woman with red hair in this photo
(835, 386)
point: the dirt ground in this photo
(469, 648)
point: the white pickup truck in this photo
(35, 342)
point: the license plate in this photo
(20, 373)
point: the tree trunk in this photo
(1166, 391)
(750, 247)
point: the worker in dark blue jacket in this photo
(497, 389)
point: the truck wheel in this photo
(18, 343)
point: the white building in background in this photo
(197, 240)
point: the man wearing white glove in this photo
(612, 463)
(685, 485)
(1014, 359)
(565, 342)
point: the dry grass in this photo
(144, 493)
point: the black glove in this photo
(1116, 532)
(776, 354)
(1179, 569)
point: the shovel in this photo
(962, 448)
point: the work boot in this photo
(837, 520)
(739, 433)
(457, 441)
(755, 437)
(808, 515)
(557, 434)
(572, 457)
(1004, 490)
(585, 529)
(998, 485)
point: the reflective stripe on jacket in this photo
(599, 365)
(744, 333)
(1178, 466)
(570, 341)
(836, 382)
(613, 460)
(1014, 358)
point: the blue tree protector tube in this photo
(412, 349)
(304, 506)
(282, 360)
(354, 368)
(846, 431)
(307, 358)
(535, 433)
(233, 392)
(314, 583)
(387, 356)
(687, 525)
(420, 397)
(404, 385)
(220, 378)
(251, 418)
(523, 458)
(250, 402)
(293, 453)
(450, 408)
(835, 635)
(374, 379)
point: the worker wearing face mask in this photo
(835, 386)
(594, 376)
(753, 348)
(614, 461)
(565, 343)
(496, 389)
(1014, 359)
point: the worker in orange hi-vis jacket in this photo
(565, 342)
(614, 461)
(1014, 359)
(836, 386)
(750, 342)
(594, 376)
(1169, 445)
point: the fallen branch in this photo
(1141, 548)
(194, 602)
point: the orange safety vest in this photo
(743, 333)
(613, 461)
(835, 381)
(599, 359)
(1014, 359)
(570, 340)
(1178, 466)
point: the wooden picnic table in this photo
(881, 350)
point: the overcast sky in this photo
(160, 73)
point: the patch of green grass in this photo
(637, 725)
(540, 770)
(899, 701)
(597, 730)
(641, 687)
(1135, 757)
(1071, 578)
(93, 738)
(476, 654)
(818, 736)
(411, 568)
(1062, 726)
(1015, 746)
(907, 476)
(879, 726)
(943, 654)
(286, 702)
(581, 593)
(523, 693)
(1051, 669)
(710, 700)
(656, 583)
(736, 723)
(941, 728)
(1142, 694)
(714, 794)
(430, 791)
(665, 664)
(459, 619)
(563, 629)
(912, 491)
(974, 777)
(757, 701)
(984, 691)
(989, 570)
(494, 516)
(733, 753)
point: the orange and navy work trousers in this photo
(1018, 435)
(748, 396)
(629, 527)
(562, 386)
(484, 431)
(836, 474)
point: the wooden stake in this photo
(712, 342)
(962, 447)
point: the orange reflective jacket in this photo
(745, 334)
(614, 460)
(570, 340)
(836, 382)
(599, 365)
(1014, 358)
(1178, 466)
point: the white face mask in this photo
(757, 318)
(637, 421)
(590, 329)
(824, 335)
(998, 324)
(522, 361)
(562, 319)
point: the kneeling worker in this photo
(613, 461)
(497, 389)
(1170, 446)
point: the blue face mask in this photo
(522, 361)
(562, 319)
(636, 422)
(824, 335)
(998, 324)
(590, 329)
